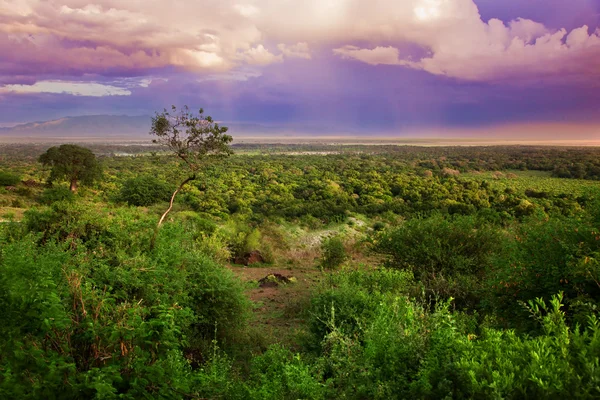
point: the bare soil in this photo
(278, 308)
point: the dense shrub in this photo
(439, 246)
(55, 194)
(404, 351)
(333, 253)
(560, 363)
(64, 220)
(8, 179)
(92, 313)
(347, 300)
(281, 374)
(145, 190)
(541, 258)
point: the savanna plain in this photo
(299, 271)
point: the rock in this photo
(32, 183)
(274, 280)
(253, 257)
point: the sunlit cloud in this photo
(73, 88)
(298, 50)
(379, 55)
(77, 37)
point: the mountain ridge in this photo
(123, 127)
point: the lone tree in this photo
(195, 139)
(72, 163)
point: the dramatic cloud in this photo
(299, 50)
(260, 56)
(110, 37)
(378, 55)
(74, 88)
(382, 64)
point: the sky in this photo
(314, 66)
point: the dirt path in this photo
(279, 309)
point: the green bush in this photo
(541, 258)
(66, 221)
(145, 190)
(8, 179)
(403, 351)
(280, 374)
(333, 253)
(437, 245)
(349, 299)
(87, 323)
(560, 363)
(55, 194)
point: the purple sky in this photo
(384, 66)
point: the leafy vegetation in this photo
(72, 163)
(300, 271)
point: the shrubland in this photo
(422, 273)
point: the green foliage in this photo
(347, 300)
(8, 179)
(192, 138)
(438, 245)
(280, 374)
(56, 194)
(73, 163)
(95, 324)
(145, 190)
(543, 257)
(466, 307)
(404, 351)
(64, 221)
(333, 253)
(560, 363)
(241, 238)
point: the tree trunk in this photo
(191, 178)
(74, 185)
(162, 218)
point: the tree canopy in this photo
(72, 163)
(195, 139)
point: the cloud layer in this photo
(45, 39)
(383, 65)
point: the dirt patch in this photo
(277, 306)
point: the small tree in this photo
(73, 163)
(195, 139)
(334, 252)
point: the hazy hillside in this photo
(126, 127)
(86, 126)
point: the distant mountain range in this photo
(128, 127)
(120, 126)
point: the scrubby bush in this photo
(541, 258)
(85, 323)
(402, 350)
(145, 190)
(439, 245)
(8, 179)
(349, 299)
(281, 374)
(66, 221)
(55, 194)
(448, 256)
(560, 363)
(333, 252)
